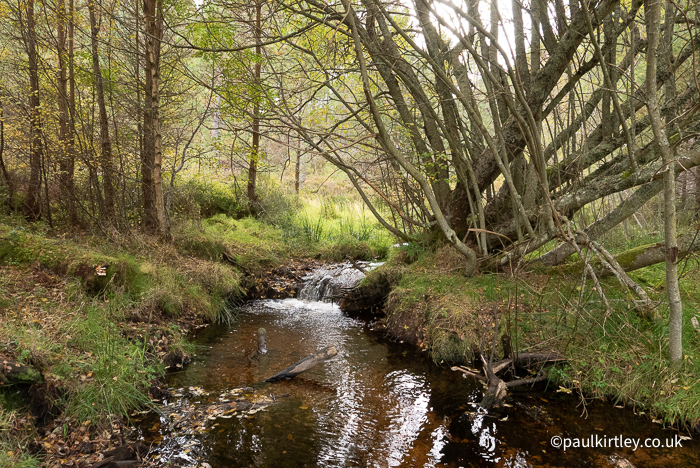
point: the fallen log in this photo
(527, 381)
(496, 391)
(12, 372)
(642, 256)
(526, 359)
(305, 364)
(470, 373)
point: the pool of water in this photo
(376, 404)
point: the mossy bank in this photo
(612, 353)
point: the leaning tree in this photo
(500, 131)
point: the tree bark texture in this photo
(66, 131)
(13, 372)
(32, 207)
(653, 23)
(106, 142)
(156, 217)
(255, 153)
(3, 169)
(558, 143)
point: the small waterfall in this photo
(333, 281)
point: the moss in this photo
(628, 257)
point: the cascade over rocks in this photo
(334, 282)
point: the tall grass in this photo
(340, 226)
(312, 229)
(115, 371)
(613, 353)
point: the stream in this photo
(376, 404)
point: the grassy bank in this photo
(610, 353)
(102, 318)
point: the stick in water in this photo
(262, 341)
(305, 364)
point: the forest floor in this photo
(102, 319)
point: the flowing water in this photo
(332, 281)
(376, 404)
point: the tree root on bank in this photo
(497, 389)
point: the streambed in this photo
(376, 404)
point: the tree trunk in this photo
(148, 154)
(32, 208)
(305, 364)
(106, 153)
(3, 170)
(647, 255)
(255, 155)
(262, 341)
(152, 156)
(297, 165)
(653, 22)
(12, 372)
(70, 180)
(696, 186)
(64, 49)
(623, 211)
(138, 106)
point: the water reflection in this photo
(376, 404)
(485, 431)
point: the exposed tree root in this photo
(497, 389)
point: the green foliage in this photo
(210, 197)
(338, 228)
(408, 252)
(613, 354)
(84, 348)
(349, 248)
(334, 228)
(276, 205)
(119, 370)
(121, 271)
(12, 248)
(313, 229)
(12, 457)
(201, 247)
(11, 401)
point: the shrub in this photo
(210, 196)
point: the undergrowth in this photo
(13, 438)
(98, 319)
